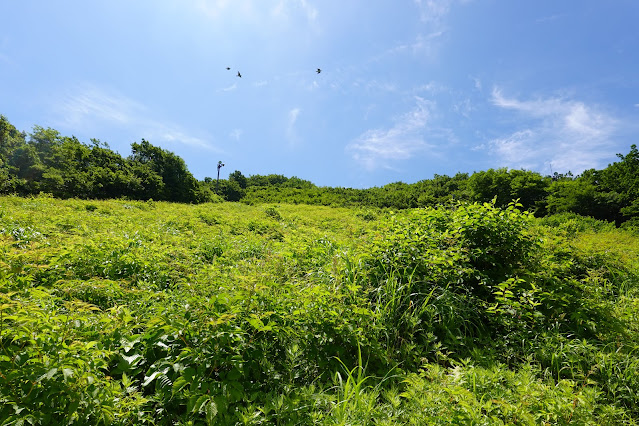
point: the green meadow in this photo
(155, 313)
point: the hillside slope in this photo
(128, 312)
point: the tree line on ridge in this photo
(46, 161)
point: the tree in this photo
(230, 190)
(175, 182)
(25, 165)
(10, 139)
(238, 177)
(530, 188)
(618, 185)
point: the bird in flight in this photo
(318, 71)
(239, 75)
(228, 68)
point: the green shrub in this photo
(436, 273)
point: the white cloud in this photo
(571, 135)
(292, 116)
(433, 15)
(215, 8)
(91, 103)
(519, 149)
(236, 134)
(229, 88)
(309, 10)
(173, 134)
(433, 10)
(88, 107)
(477, 83)
(550, 18)
(285, 8)
(381, 86)
(400, 142)
(258, 12)
(421, 44)
(291, 134)
(463, 107)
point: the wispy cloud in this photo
(376, 86)
(89, 103)
(259, 11)
(433, 11)
(571, 135)
(4, 41)
(172, 134)
(285, 8)
(550, 18)
(463, 107)
(433, 15)
(229, 88)
(88, 107)
(400, 142)
(215, 8)
(477, 83)
(311, 12)
(291, 134)
(421, 44)
(236, 134)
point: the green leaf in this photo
(48, 375)
(196, 402)
(67, 373)
(234, 374)
(131, 360)
(210, 410)
(178, 385)
(149, 379)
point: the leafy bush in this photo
(444, 275)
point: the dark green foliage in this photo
(66, 168)
(229, 190)
(278, 181)
(238, 177)
(175, 184)
(528, 188)
(610, 194)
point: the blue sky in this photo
(408, 88)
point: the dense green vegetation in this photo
(130, 312)
(45, 161)
(131, 293)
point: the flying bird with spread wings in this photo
(318, 71)
(239, 75)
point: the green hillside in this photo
(133, 313)
(45, 161)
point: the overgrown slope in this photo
(120, 312)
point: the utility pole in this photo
(217, 183)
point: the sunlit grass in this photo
(159, 313)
